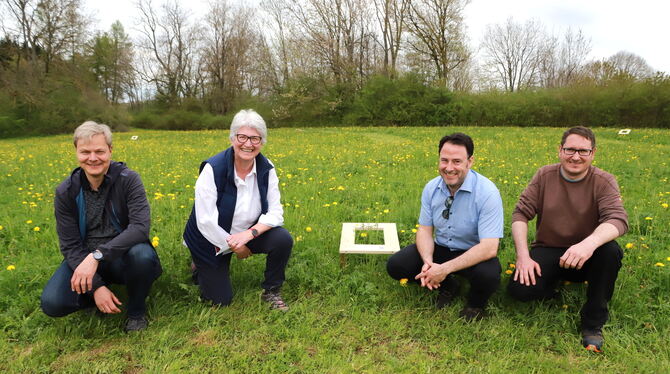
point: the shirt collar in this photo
(252, 172)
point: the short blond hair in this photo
(89, 129)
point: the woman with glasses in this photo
(237, 210)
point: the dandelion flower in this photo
(1, 227)
(154, 243)
(665, 205)
(659, 264)
(29, 221)
(565, 306)
(403, 282)
(36, 228)
(667, 258)
(414, 231)
(364, 234)
(629, 245)
(648, 218)
(155, 239)
(308, 229)
(512, 266)
(508, 271)
(386, 210)
(11, 267)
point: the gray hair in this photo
(249, 118)
(89, 129)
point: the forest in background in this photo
(309, 63)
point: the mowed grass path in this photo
(352, 319)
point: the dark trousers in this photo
(601, 271)
(137, 269)
(215, 284)
(484, 277)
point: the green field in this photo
(354, 319)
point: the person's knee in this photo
(51, 305)
(521, 292)
(609, 253)
(394, 267)
(141, 257)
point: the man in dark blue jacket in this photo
(103, 218)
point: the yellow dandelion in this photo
(2, 227)
(648, 218)
(308, 229)
(629, 245)
(414, 231)
(155, 239)
(659, 264)
(403, 282)
(29, 221)
(665, 205)
(298, 238)
(11, 267)
(386, 210)
(36, 228)
(512, 266)
(364, 234)
(154, 243)
(565, 306)
(666, 259)
(508, 271)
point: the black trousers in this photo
(600, 271)
(484, 277)
(215, 284)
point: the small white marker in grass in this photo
(134, 137)
(624, 131)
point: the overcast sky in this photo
(641, 27)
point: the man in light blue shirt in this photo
(464, 211)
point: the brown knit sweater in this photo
(567, 212)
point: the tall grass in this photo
(351, 319)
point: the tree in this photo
(169, 44)
(437, 30)
(627, 63)
(58, 25)
(228, 43)
(391, 18)
(560, 61)
(110, 58)
(513, 52)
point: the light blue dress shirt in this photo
(476, 212)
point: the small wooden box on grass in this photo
(348, 240)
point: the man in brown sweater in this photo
(579, 214)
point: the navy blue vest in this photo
(224, 178)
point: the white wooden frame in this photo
(348, 239)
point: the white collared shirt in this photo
(247, 206)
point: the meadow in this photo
(352, 319)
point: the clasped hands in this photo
(432, 275)
(238, 243)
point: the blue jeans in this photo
(137, 269)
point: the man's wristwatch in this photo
(97, 255)
(254, 232)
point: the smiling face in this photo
(94, 156)
(576, 166)
(454, 165)
(246, 151)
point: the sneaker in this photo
(592, 339)
(448, 292)
(136, 324)
(472, 314)
(273, 297)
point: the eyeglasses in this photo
(572, 151)
(243, 139)
(447, 207)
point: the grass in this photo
(342, 320)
